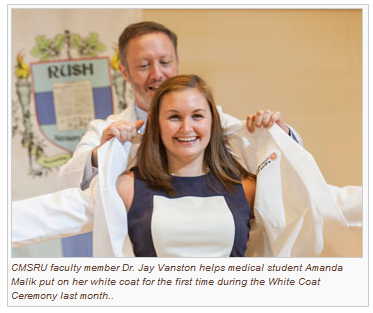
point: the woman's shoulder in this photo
(126, 175)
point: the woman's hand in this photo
(264, 119)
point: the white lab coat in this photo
(296, 212)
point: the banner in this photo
(65, 73)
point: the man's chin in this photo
(151, 93)
(144, 104)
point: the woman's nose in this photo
(186, 125)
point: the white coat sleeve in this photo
(60, 214)
(350, 201)
(78, 171)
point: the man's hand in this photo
(122, 130)
(264, 119)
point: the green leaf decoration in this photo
(76, 42)
(92, 39)
(46, 49)
(41, 42)
(100, 47)
(59, 42)
(35, 51)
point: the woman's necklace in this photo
(204, 172)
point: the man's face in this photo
(151, 59)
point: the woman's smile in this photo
(187, 140)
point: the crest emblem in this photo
(69, 94)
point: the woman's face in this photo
(185, 124)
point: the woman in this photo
(187, 195)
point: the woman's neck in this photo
(192, 168)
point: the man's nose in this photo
(156, 72)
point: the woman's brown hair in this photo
(152, 157)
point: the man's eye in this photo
(143, 65)
(165, 62)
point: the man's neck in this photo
(140, 113)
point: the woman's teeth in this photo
(186, 139)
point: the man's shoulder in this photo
(98, 125)
(128, 114)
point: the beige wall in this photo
(304, 63)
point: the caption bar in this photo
(105, 282)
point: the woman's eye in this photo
(197, 116)
(174, 117)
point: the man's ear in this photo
(124, 72)
(177, 60)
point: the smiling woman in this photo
(187, 195)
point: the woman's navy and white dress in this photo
(202, 219)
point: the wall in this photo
(305, 63)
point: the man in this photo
(148, 55)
